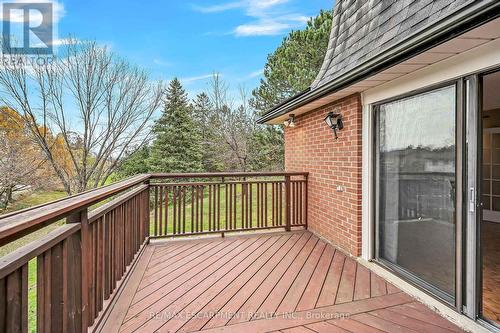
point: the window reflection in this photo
(416, 185)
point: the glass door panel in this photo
(416, 188)
(489, 223)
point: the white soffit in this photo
(472, 39)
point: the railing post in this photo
(147, 213)
(306, 199)
(288, 226)
(79, 320)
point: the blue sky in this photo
(190, 39)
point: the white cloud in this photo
(196, 78)
(218, 8)
(268, 17)
(58, 42)
(63, 41)
(262, 28)
(17, 16)
(256, 74)
(269, 26)
(161, 62)
(249, 5)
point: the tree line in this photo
(89, 118)
(214, 133)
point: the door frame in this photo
(473, 278)
(473, 215)
(469, 305)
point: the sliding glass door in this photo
(416, 188)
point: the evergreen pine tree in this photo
(176, 147)
(133, 164)
(207, 124)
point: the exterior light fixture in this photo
(290, 122)
(334, 121)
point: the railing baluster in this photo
(251, 208)
(174, 209)
(197, 201)
(258, 206)
(209, 207)
(14, 293)
(265, 203)
(230, 208)
(155, 207)
(227, 202)
(281, 204)
(100, 295)
(235, 213)
(107, 257)
(287, 204)
(167, 194)
(242, 226)
(218, 207)
(247, 224)
(191, 227)
(160, 203)
(294, 203)
(273, 205)
(92, 273)
(202, 204)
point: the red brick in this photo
(310, 146)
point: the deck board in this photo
(274, 299)
(278, 282)
(257, 298)
(329, 292)
(313, 289)
(292, 298)
(157, 314)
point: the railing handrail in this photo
(19, 257)
(104, 209)
(30, 219)
(226, 174)
(187, 184)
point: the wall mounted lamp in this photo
(290, 122)
(334, 121)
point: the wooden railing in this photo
(82, 264)
(221, 203)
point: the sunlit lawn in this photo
(34, 199)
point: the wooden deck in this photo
(283, 282)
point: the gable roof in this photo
(369, 34)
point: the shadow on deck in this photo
(288, 282)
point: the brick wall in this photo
(310, 146)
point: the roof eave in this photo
(462, 21)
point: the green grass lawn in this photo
(34, 199)
(32, 295)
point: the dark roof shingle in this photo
(364, 28)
